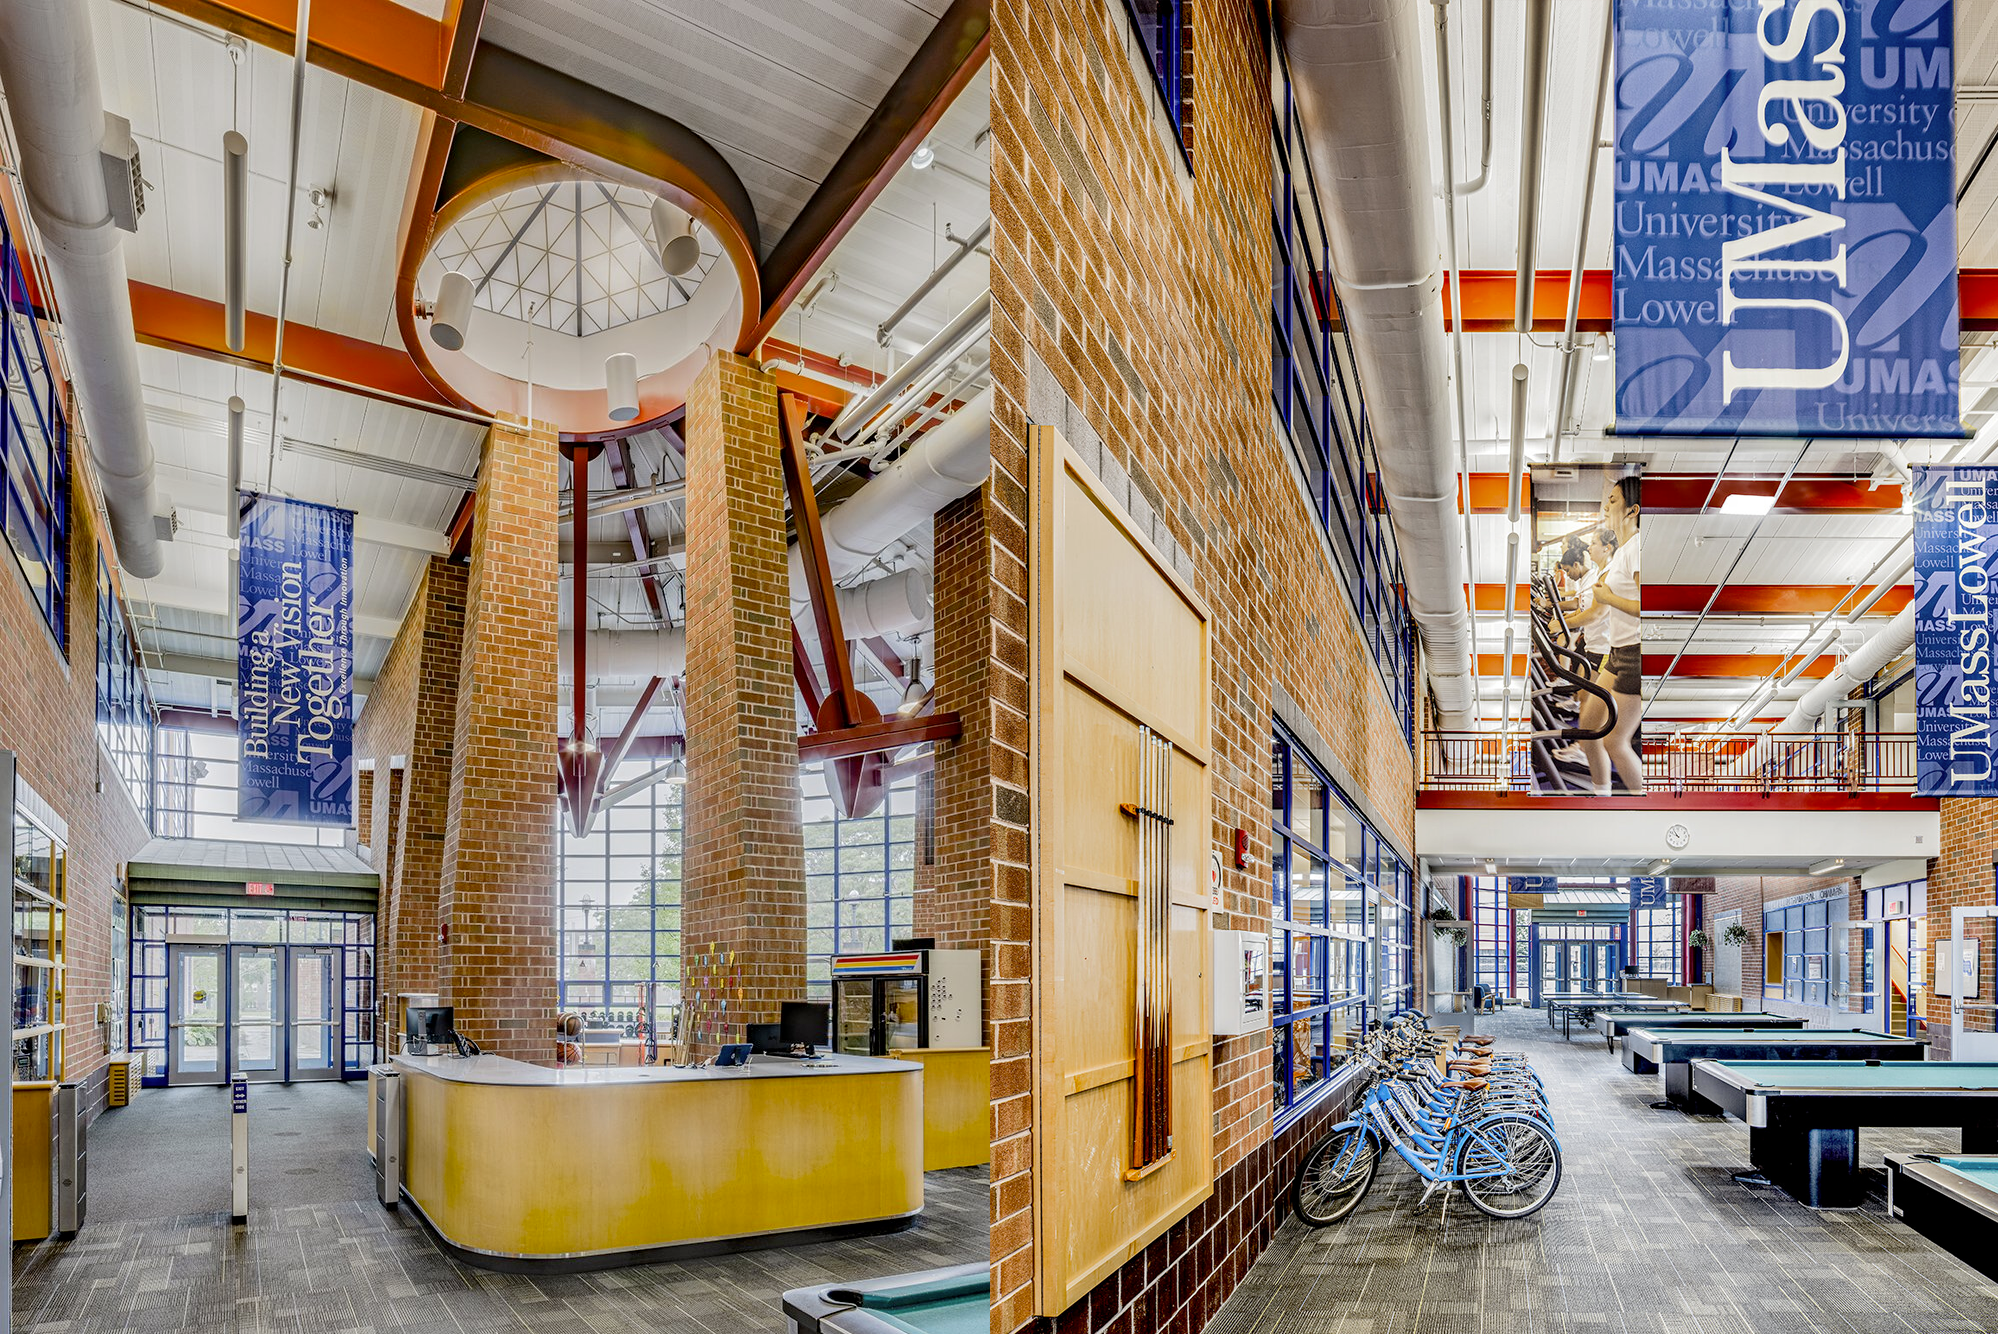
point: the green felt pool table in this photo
(1803, 1117)
(1953, 1201)
(957, 1300)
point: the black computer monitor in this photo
(430, 1023)
(805, 1023)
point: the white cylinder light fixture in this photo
(673, 233)
(621, 385)
(453, 311)
(235, 234)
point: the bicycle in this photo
(1488, 1131)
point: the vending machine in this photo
(905, 1000)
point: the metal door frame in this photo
(224, 1038)
(1839, 993)
(280, 1010)
(335, 1023)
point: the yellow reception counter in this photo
(525, 1167)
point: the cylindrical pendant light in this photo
(673, 233)
(621, 385)
(234, 512)
(235, 233)
(453, 311)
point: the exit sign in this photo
(259, 887)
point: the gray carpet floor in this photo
(319, 1255)
(1649, 1234)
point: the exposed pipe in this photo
(1533, 116)
(48, 65)
(1478, 182)
(1359, 85)
(951, 460)
(1442, 10)
(968, 324)
(301, 43)
(896, 605)
(965, 246)
(1854, 672)
(1564, 396)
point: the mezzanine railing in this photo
(1704, 762)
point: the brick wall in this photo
(1750, 894)
(953, 899)
(496, 887)
(407, 730)
(1130, 303)
(1961, 876)
(48, 712)
(743, 868)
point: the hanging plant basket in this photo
(1735, 934)
(1699, 940)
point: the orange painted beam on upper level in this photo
(1691, 665)
(1488, 491)
(1489, 295)
(1735, 599)
(1801, 495)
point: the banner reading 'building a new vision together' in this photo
(295, 663)
(1785, 220)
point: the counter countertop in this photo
(503, 1071)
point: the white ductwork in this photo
(48, 67)
(1356, 71)
(1867, 661)
(896, 605)
(626, 654)
(950, 460)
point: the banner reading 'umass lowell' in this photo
(1956, 542)
(1785, 225)
(295, 663)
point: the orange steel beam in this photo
(1691, 665)
(183, 323)
(873, 738)
(1736, 599)
(1802, 495)
(1488, 491)
(1488, 300)
(946, 61)
(461, 23)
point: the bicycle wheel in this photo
(1334, 1176)
(1513, 1166)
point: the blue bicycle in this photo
(1476, 1119)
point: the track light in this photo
(917, 694)
(1491, 868)
(673, 234)
(452, 314)
(235, 234)
(676, 773)
(1659, 867)
(621, 385)
(1827, 866)
(1602, 349)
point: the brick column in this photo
(953, 903)
(744, 886)
(423, 815)
(497, 891)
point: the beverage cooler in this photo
(905, 1000)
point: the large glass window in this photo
(1315, 388)
(124, 706)
(1341, 925)
(860, 878)
(1656, 934)
(34, 451)
(194, 790)
(1501, 951)
(1161, 26)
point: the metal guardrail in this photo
(1706, 762)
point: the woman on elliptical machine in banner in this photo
(1617, 593)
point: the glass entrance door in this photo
(1859, 975)
(195, 1020)
(257, 1007)
(314, 995)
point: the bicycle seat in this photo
(1469, 1085)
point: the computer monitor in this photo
(805, 1023)
(767, 1039)
(430, 1024)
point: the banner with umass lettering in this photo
(1956, 537)
(295, 663)
(1785, 220)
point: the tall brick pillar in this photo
(744, 867)
(422, 800)
(953, 902)
(496, 898)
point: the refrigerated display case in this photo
(906, 1000)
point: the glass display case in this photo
(38, 874)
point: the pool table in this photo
(1803, 1117)
(957, 1300)
(1613, 1024)
(1674, 1050)
(1953, 1201)
(1571, 1006)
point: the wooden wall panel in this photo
(1119, 643)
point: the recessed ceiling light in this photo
(1827, 867)
(1740, 503)
(923, 157)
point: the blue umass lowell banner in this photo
(1785, 240)
(1956, 532)
(295, 663)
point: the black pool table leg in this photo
(1679, 1090)
(1637, 1065)
(1820, 1167)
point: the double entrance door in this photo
(1579, 965)
(268, 1013)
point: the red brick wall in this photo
(48, 713)
(1130, 308)
(410, 721)
(1961, 877)
(1750, 893)
(496, 891)
(743, 868)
